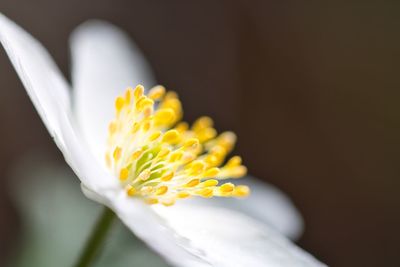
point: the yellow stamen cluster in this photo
(159, 158)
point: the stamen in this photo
(171, 136)
(193, 183)
(162, 190)
(123, 174)
(161, 159)
(226, 188)
(157, 92)
(117, 153)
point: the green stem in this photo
(96, 239)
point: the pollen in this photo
(211, 182)
(161, 159)
(162, 190)
(192, 183)
(171, 136)
(226, 188)
(123, 174)
(117, 153)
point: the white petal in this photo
(104, 63)
(100, 186)
(147, 225)
(50, 94)
(186, 235)
(266, 203)
(92, 173)
(195, 236)
(43, 81)
(226, 238)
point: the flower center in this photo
(159, 158)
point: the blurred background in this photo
(311, 89)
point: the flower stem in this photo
(96, 239)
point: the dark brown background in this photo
(312, 89)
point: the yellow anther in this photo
(156, 92)
(117, 153)
(175, 156)
(154, 136)
(192, 183)
(161, 164)
(227, 140)
(218, 151)
(241, 191)
(171, 137)
(197, 167)
(227, 188)
(212, 172)
(174, 104)
(128, 95)
(146, 190)
(182, 127)
(151, 201)
(211, 160)
(183, 194)
(144, 175)
(147, 111)
(171, 95)
(191, 143)
(237, 172)
(138, 92)
(143, 103)
(205, 192)
(146, 126)
(202, 123)
(211, 182)
(135, 155)
(119, 103)
(112, 127)
(164, 116)
(206, 134)
(163, 152)
(135, 127)
(168, 202)
(140, 99)
(233, 162)
(167, 177)
(188, 157)
(123, 174)
(161, 190)
(130, 190)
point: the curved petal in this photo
(146, 224)
(100, 186)
(43, 81)
(267, 204)
(226, 238)
(197, 236)
(187, 235)
(104, 63)
(93, 175)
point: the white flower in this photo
(191, 233)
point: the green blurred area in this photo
(57, 219)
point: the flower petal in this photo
(100, 186)
(93, 175)
(42, 79)
(147, 225)
(105, 62)
(267, 204)
(187, 235)
(229, 239)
